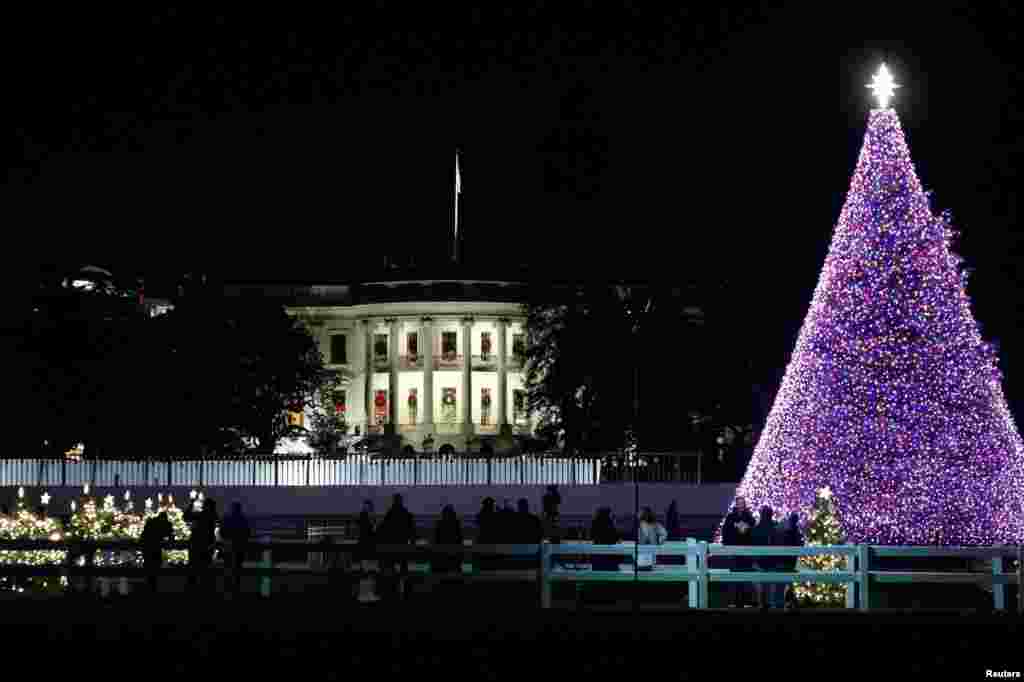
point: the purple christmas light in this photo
(892, 398)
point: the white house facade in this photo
(438, 364)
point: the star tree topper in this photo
(883, 86)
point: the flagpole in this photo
(458, 191)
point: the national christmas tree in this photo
(892, 398)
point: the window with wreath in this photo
(519, 346)
(485, 346)
(448, 345)
(519, 406)
(412, 343)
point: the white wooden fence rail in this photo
(858, 575)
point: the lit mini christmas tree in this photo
(891, 396)
(823, 529)
(26, 525)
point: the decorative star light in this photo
(149, 503)
(45, 498)
(73, 506)
(85, 489)
(825, 493)
(21, 492)
(883, 86)
(127, 495)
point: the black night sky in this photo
(595, 142)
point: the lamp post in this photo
(631, 445)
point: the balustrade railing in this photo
(448, 361)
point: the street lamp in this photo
(632, 458)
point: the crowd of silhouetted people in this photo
(495, 525)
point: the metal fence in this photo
(305, 471)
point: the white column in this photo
(467, 378)
(428, 374)
(502, 372)
(368, 363)
(393, 377)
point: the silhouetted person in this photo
(201, 542)
(790, 535)
(763, 535)
(397, 528)
(235, 531)
(365, 548)
(448, 531)
(736, 531)
(506, 523)
(675, 531)
(550, 503)
(604, 532)
(367, 533)
(530, 530)
(155, 533)
(651, 532)
(488, 531)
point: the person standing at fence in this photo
(551, 502)
(201, 543)
(397, 528)
(447, 532)
(367, 531)
(675, 532)
(155, 533)
(235, 531)
(604, 532)
(366, 590)
(764, 535)
(487, 532)
(736, 531)
(790, 536)
(651, 533)
(507, 523)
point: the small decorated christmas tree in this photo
(823, 530)
(26, 525)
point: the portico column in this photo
(368, 363)
(502, 375)
(428, 374)
(393, 376)
(467, 377)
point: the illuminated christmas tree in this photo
(823, 529)
(892, 398)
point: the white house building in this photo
(423, 360)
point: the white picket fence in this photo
(311, 471)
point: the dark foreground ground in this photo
(304, 637)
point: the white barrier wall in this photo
(353, 471)
(317, 500)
